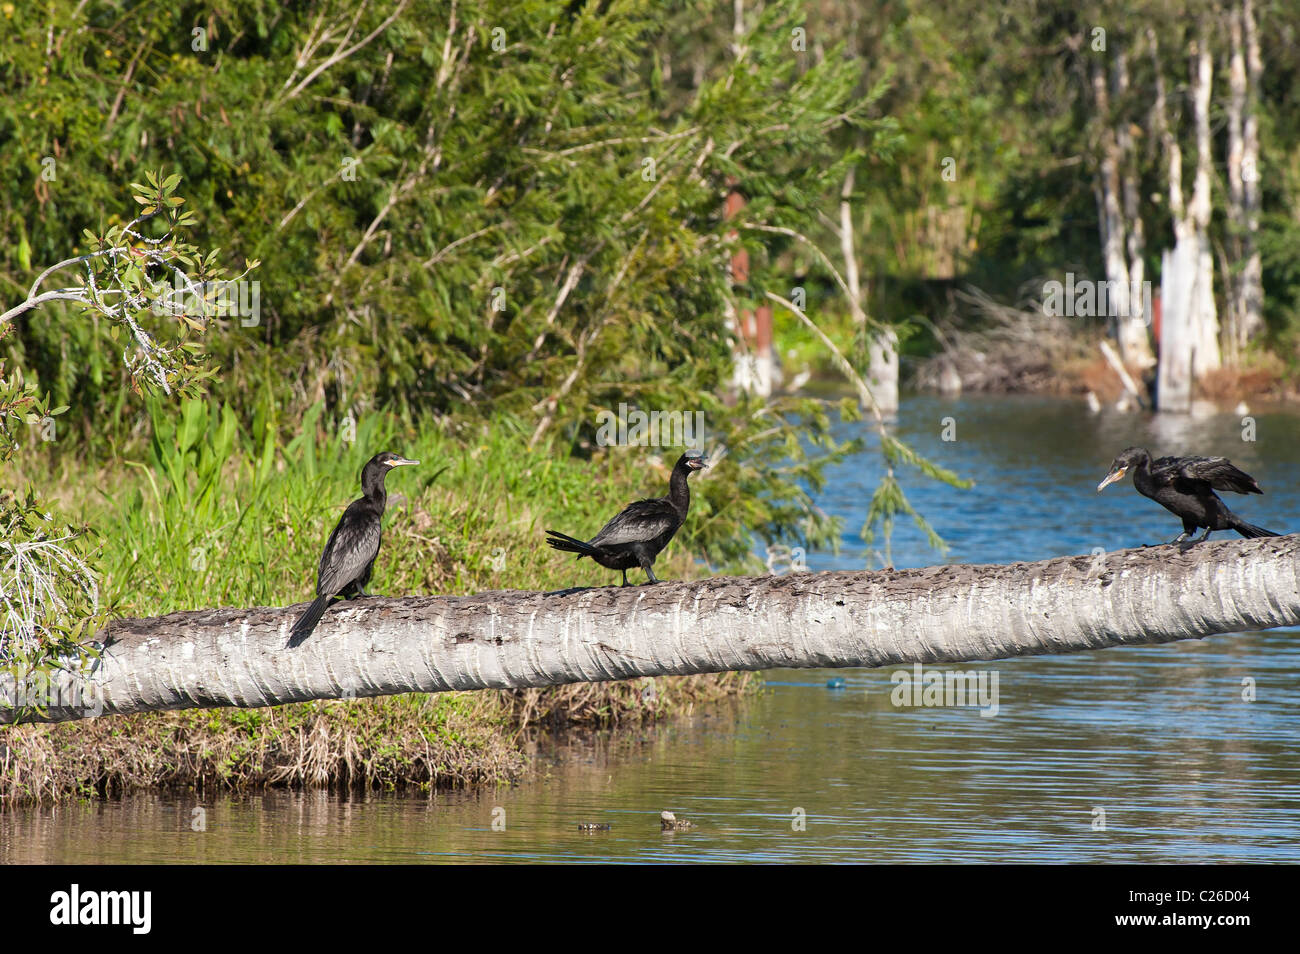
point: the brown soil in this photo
(1265, 377)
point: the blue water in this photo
(1036, 463)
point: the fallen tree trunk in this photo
(516, 639)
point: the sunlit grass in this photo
(471, 517)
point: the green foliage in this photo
(48, 592)
(522, 231)
(888, 500)
(20, 404)
(419, 205)
(156, 290)
(185, 446)
(49, 597)
(477, 231)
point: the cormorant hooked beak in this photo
(1113, 476)
(399, 462)
(697, 463)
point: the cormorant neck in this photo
(1142, 478)
(679, 490)
(372, 486)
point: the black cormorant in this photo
(641, 530)
(351, 550)
(1186, 487)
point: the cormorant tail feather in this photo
(307, 621)
(1250, 530)
(562, 541)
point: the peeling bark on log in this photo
(515, 639)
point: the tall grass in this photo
(220, 517)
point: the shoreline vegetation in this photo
(475, 526)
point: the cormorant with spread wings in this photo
(1186, 487)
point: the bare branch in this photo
(341, 54)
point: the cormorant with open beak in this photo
(1185, 486)
(351, 549)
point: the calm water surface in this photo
(1158, 739)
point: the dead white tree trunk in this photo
(882, 346)
(1189, 345)
(1243, 276)
(1133, 333)
(1235, 110)
(1119, 217)
(238, 657)
(1110, 218)
(1174, 374)
(1204, 317)
(882, 368)
(1252, 274)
